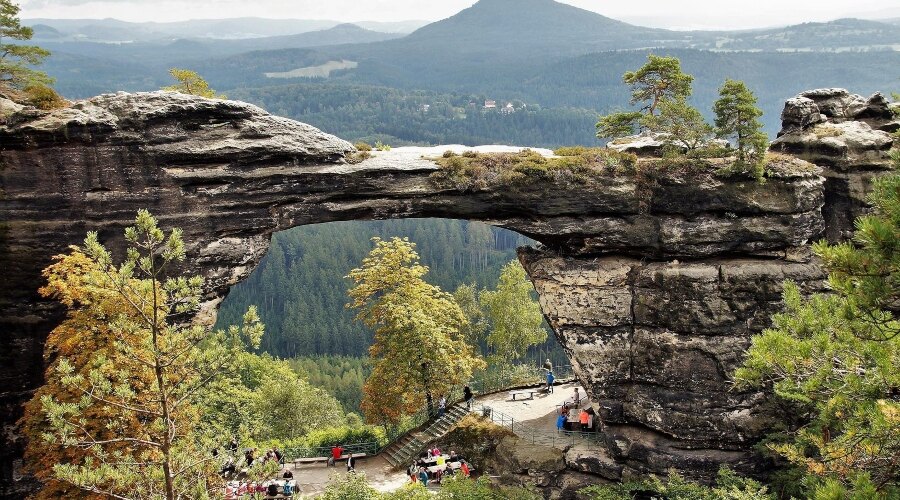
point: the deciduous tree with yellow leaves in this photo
(419, 349)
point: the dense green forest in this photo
(396, 117)
(341, 376)
(300, 289)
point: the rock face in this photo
(653, 288)
(849, 136)
(655, 343)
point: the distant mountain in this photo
(113, 30)
(530, 28)
(338, 35)
(841, 34)
(404, 27)
(156, 56)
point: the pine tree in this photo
(737, 119)
(15, 58)
(657, 82)
(189, 82)
(834, 359)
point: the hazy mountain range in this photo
(538, 51)
(114, 30)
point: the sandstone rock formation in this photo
(653, 287)
(849, 137)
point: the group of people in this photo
(231, 466)
(271, 488)
(432, 466)
(572, 418)
(337, 454)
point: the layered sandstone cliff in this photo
(653, 288)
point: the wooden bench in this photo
(313, 460)
(528, 392)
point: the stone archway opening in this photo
(300, 289)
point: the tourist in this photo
(560, 422)
(337, 451)
(248, 456)
(412, 472)
(464, 467)
(288, 489)
(423, 476)
(233, 447)
(435, 452)
(442, 406)
(577, 397)
(449, 471)
(468, 397)
(593, 417)
(351, 463)
(453, 457)
(287, 474)
(550, 380)
(585, 418)
(548, 365)
(441, 460)
(279, 457)
(272, 489)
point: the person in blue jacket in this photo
(550, 380)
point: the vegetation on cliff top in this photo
(661, 91)
(581, 165)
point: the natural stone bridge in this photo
(653, 290)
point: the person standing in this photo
(548, 365)
(577, 398)
(442, 406)
(468, 397)
(351, 463)
(336, 452)
(550, 380)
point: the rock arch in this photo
(653, 290)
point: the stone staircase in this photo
(402, 452)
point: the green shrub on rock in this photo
(44, 97)
(729, 486)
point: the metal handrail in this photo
(455, 396)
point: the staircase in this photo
(402, 452)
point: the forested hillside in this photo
(396, 117)
(301, 292)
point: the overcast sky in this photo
(678, 14)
